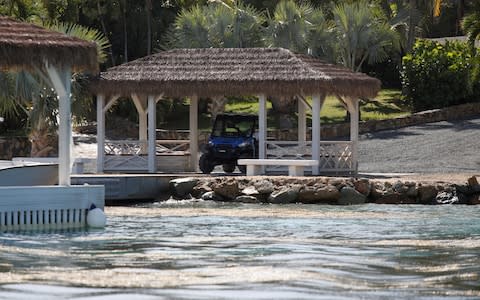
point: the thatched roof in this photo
(230, 71)
(23, 45)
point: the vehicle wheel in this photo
(243, 168)
(228, 168)
(205, 164)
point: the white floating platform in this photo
(47, 207)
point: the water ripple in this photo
(202, 250)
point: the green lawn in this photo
(386, 105)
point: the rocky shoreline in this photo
(324, 190)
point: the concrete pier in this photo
(129, 186)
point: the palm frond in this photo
(84, 33)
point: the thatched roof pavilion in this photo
(231, 71)
(27, 46)
(219, 72)
(24, 45)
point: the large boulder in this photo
(349, 195)
(363, 186)
(318, 194)
(200, 189)
(427, 194)
(183, 186)
(400, 187)
(228, 188)
(264, 186)
(474, 200)
(285, 195)
(394, 198)
(212, 196)
(250, 191)
(473, 183)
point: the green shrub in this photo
(436, 76)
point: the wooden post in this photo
(100, 133)
(61, 80)
(152, 134)
(316, 106)
(143, 131)
(302, 121)
(262, 126)
(141, 106)
(193, 118)
(353, 109)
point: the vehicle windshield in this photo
(233, 126)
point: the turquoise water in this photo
(204, 250)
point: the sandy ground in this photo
(442, 151)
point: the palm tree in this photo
(471, 25)
(220, 24)
(290, 26)
(300, 28)
(225, 24)
(32, 93)
(361, 35)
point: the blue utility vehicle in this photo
(232, 137)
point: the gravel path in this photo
(443, 147)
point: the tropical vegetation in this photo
(364, 35)
(436, 75)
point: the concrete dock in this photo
(129, 186)
(132, 187)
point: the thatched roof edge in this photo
(369, 88)
(229, 71)
(24, 45)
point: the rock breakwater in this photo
(324, 190)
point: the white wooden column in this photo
(100, 133)
(141, 106)
(353, 109)
(142, 130)
(302, 121)
(102, 108)
(152, 137)
(193, 123)
(262, 126)
(61, 79)
(317, 100)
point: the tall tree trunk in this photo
(125, 34)
(282, 108)
(104, 29)
(216, 107)
(460, 15)
(148, 8)
(411, 25)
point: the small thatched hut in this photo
(230, 71)
(62, 206)
(216, 72)
(27, 46)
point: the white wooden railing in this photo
(125, 155)
(125, 147)
(335, 156)
(132, 155)
(179, 147)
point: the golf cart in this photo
(232, 137)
